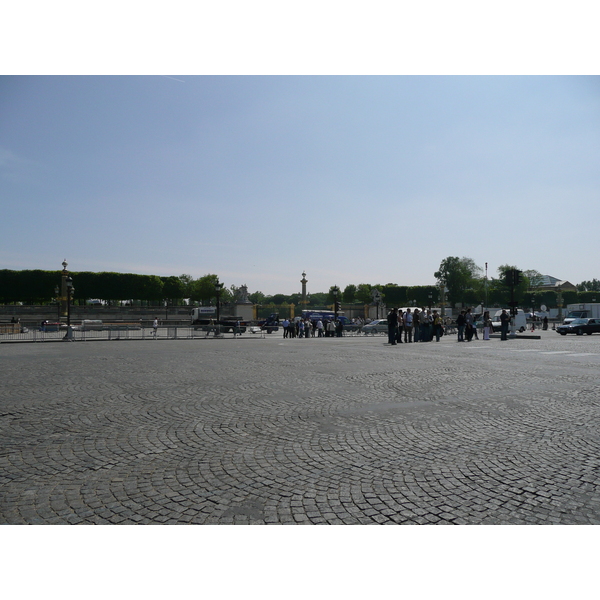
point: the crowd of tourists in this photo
(417, 325)
(421, 325)
(405, 326)
(306, 328)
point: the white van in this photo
(520, 320)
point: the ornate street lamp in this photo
(57, 299)
(218, 288)
(70, 290)
(335, 291)
(63, 292)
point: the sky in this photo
(260, 170)
(352, 179)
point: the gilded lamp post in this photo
(64, 301)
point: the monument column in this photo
(304, 281)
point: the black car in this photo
(580, 326)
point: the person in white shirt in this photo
(320, 327)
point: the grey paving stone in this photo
(276, 431)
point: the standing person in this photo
(475, 327)
(545, 325)
(392, 323)
(331, 328)
(308, 329)
(504, 322)
(430, 331)
(155, 327)
(286, 327)
(320, 327)
(424, 326)
(400, 325)
(301, 329)
(487, 325)
(408, 326)
(416, 325)
(460, 325)
(469, 325)
(437, 325)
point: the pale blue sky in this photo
(351, 178)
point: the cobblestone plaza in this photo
(276, 431)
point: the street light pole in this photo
(57, 298)
(70, 292)
(486, 285)
(218, 288)
(63, 292)
(335, 290)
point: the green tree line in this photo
(461, 277)
(38, 287)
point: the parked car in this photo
(375, 327)
(580, 326)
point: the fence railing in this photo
(144, 333)
(170, 333)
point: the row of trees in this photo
(461, 277)
(38, 287)
(467, 284)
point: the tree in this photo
(331, 298)
(257, 297)
(203, 289)
(349, 294)
(150, 288)
(522, 288)
(420, 294)
(279, 299)
(9, 286)
(173, 288)
(395, 295)
(589, 286)
(318, 299)
(458, 275)
(587, 297)
(535, 278)
(363, 293)
(187, 281)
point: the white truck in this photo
(582, 311)
(519, 322)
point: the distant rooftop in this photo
(549, 282)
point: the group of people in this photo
(418, 325)
(467, 325)
(425, 325)
(305, 328)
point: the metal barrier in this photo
(125, 333)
